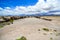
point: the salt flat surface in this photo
(28, 27)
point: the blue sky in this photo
(15, 7)
(13, 3)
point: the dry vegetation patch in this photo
(22, 38)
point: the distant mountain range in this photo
(46, 14)
(50, 13)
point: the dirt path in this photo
(28, 27)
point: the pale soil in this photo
(28, 27)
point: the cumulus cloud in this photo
(39, 7)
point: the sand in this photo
(28, 27)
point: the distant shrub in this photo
(8, 23)
(55, 30)
(57, 34)
(22, 38)
(51, 38)
(51, 33)
(1, 26)
(45, 29)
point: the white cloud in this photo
(1, 8)
(39, 7)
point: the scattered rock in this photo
(38, 29)
(44, 33)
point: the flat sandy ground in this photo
(32, 29)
